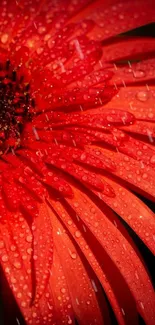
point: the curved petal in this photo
(137, 100)
(123, 256)
(120, 302)
(85, 302)
(134, 73)
(128, 48)
(115, 17)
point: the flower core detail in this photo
(16, 106)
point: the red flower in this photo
(76, 140)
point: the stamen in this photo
(16, 106)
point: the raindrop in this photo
(17, 320)
(94, 285)
(123, 312)
(142, 305)
(69, 320)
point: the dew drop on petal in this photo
(17, 265)
(139, 74)
(77, 234)
(23, 304)
(4, 38)
(144, 176)
(5, 258)
(73, 255)
(13, 248)
(152, 160)
(1, 244)
(142, 96)
(29, 239)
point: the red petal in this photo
(51, 178)
(59, 290)
(15, 255)
(142, 128)
(129, 48)
(134, 73)
(83, 175)
(115, 17)
(123, 256)
(85, 302)
(137, 100)
(135, 213)
(138, 175)
(81, 236)
(124, 143)
(42, 250)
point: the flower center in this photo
(16, 106)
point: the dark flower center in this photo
(16, 106)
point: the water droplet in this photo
(110, 118)
(150, 115)
(13, 280)
(142, 96)
(4, 38)
(139, 74)
(17, 265)
(152, 160)
(5, 258)
(144, 176)
(1, 244)
(73, 255)
(13, 248)
(63, 290)
(19, 295)
(77, 234)
(83, 156)
(69, 321)
(88, 302)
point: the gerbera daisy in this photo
(77, 120)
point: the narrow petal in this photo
(140, 176)
(134, 73)
(121, 306)
(133, 211)
(137, 100)
(119, 17)
(128, 48)
(84, 302)
(125, 262)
